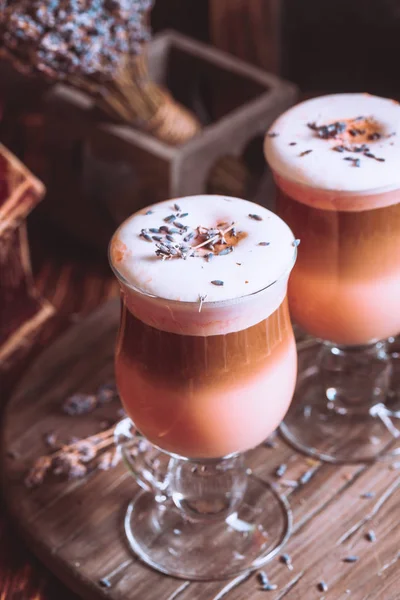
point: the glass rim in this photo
(122, 279)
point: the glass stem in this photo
(209, 490)
(355, 378)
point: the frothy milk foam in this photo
(326, 178)
(166, 293)
(339, 191)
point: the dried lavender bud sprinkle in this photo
(169, 219)
(272, 134)
(105, 583)
(367, 495)
(177, 207)
(154, 230)
(370, 536)
(149, 212)
(281, 470)
(256, 217)
(217, 282)
(183, 215)
(263, 244)
(305, 153)
(286, 560)
(307, 476)
(293, 144)
(227, 250)
(322, 587)
(351, 559)
(262, 578)
(209, 256)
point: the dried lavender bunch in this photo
(95, 46)
(62, 38)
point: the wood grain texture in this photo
(249, 29)
(75, 527)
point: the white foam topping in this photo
(264, 253)
(326, 169)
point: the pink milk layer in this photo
(207, 397)
(345, 287)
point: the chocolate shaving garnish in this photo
(328, 131)
(305, 153)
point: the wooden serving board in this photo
(76, 527)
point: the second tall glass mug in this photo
(336, 165)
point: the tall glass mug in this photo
(206, 367)
(336, 163)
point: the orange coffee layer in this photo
(345, 286)
(207, 396)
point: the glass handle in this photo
(145, 463)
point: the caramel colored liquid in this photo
(206, 396)
(345, 286)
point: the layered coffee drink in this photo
(206, 357)
(336, 162)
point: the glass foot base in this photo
(312, 427)
(166, 540)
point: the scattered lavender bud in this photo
(350, 559)
(286, 560)
(225, 251)
(177, 207)
(146, 236)
(370, 536)
(322, 587)
(367, 495)
(183, 215)
(281, 470)
(79, 404)
(169, 219)
(217, 282)
(305, 478)
(262, 578)
(154, 230)
(255, 217)
(264, 244)
(149, 212)
(305, 152)
(105, 583)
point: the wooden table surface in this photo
(76, 282)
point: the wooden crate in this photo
(22, 311)
(108, 171)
